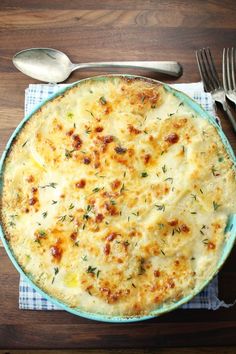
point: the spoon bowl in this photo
(43, 64)
(51, 65)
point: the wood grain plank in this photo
(181, 350)
(93, 334)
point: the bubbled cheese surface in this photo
(116, 196)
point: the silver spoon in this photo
(51, 65)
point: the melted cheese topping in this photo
(116, 196)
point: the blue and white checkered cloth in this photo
(29, 299)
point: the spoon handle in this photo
(171, 68)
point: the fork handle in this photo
(227, 110)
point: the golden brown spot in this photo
(115, 184)
(86, 160)
(81, 183)
(120, 150)
(77, 142)
(172, 138)
(111, 237)
(56, 252)
(107, 249)
(180, 123)
(70, 132)
(173, 222)
(171, 283)
(30, 179)
(156, 273)
(111, 209)
(211, 246)
(133, 130)
(59, 126)
(147, 158)
(98, 129)
(33, 201)
(184, 228)
(73, 236)
(99, 218)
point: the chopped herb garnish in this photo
(11, 223)
(88, 131)
(193, 212)
(97, 189)
(214, 171)
(145, 132)
(68, 153)
(56, 270)
(136, 214)
(91, 269)
(194, 196)
(25, 143)
(133, 285)
(71, 206)
(164, 169)
(160, 207)
(205, 241)
(221, 158)
(113, 202)
(76, 243)
(202, 232)
(84, 258)
(62, 218)
(144, 174)
(54, 202)
(71, 217)
(161, 226)
(193, 258)
(215, 205)
(163, 253)
(102, 100)
(70, 115)
(98, 272)
(201, 190)
(124, 174)
(90, 113)
(52, 185)
(122, 188)
(170, 114)
(158, 118)
(141, 267)
(169, 179)
(42, 233)
(44, 214)
(181, 104)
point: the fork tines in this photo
(228, 68)
(207, 69)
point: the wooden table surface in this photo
(91, 30)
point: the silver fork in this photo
(211, 81)
(228, 69)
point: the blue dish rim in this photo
(231, 226)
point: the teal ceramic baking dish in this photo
(231, 225)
